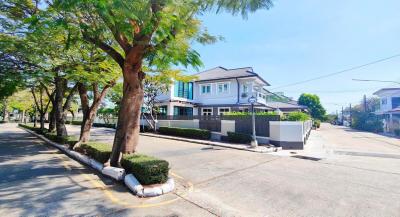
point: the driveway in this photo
(239, 183)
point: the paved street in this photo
(358, 175)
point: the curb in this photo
(209, 143)
(116, 173)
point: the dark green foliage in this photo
(186, 132)
(239, 137)
(148, 170)
(314, 105)
(98, 151)
(51, 136)
(367, 122)
(397, 132)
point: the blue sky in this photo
(298, 40)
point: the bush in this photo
(239, 137)
(271, 113)
(148, 170)
(98, 151)
(317, 123)
(397, 132)
(367, 122)
(297, 116)
(186, 132)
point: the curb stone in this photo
(116, 173)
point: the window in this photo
(222, 111)
(395, 102)
(162, 110)
(183, 89)
(245, 88)
(384, 101)
(206, 111)
(223, 87)
(205, 88)
(183, 111)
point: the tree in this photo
(42, 103)
(314, 105)
(155, 33)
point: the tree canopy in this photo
(314, 105)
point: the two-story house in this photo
(216, 91)
(389, 108)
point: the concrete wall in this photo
(227, 126)
(179, 123)
(289, 134)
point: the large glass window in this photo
(162, 110)
(183, 89)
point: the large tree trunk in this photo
(6, 115)
(89, 113)
(41, 121)
(128, 126)
(59, 111)
(52, 120)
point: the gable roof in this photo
(388, 90)
(220, 72)
(285, 105)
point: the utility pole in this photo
(351, 120)
(365, 103)
(342, 116)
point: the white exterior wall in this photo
(214, 97)
(288, 131)
(179, 123)
(227, 126)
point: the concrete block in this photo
(152, 192)
(114, 172)
(96, 165)
(133, 184)
(168, 186)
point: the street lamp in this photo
(395, 82)
(254, 143)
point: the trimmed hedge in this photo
(70, 140)
(148, 170)
(94, 124)
(98, 151)
(239, 137)
(297, 116)
(186, 132)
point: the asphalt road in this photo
(225, 182)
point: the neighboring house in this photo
(389, 108)
(220, 90)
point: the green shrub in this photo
(233, 113)
(367, 121)
(397, 132)
(186, 132)
(239, 137)
(98, 151)
(75, 122)
(297, 116)
(148, 170)
(317, 123)
(103, 125)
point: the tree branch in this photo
(106, 48)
